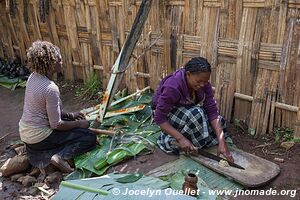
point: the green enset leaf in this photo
(130, 178)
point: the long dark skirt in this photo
(67, 144)
(192, 122)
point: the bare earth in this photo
(11, 105)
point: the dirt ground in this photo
(11, 105)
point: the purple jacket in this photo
(173, 92)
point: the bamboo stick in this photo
(286, 107)
(243, 96)
(103, 132)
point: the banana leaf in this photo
(88, 160)
(117, 156)
(109, 183)
(146, 98)
(138, 133)
(125, 104)
(79, 174)
(100, 159)
(131, 178)
(129, 122)
(11, 83)
(143, 115)
(120, 120)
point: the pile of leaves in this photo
(13, 73)
(136, 134)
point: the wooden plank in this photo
(214, 45)
(284, 84)
(105, 37)
(243, 70)
(94, 29)
(51, 23)
(33, 18)
(258, 171)
(71, 27)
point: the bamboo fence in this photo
(253, 46)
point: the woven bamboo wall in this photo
(253, 46)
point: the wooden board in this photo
(258, 171)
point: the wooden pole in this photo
(123, 59)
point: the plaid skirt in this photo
(192, 122)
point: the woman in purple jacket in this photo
(186, 111)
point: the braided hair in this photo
(42, 57)
(197, 65)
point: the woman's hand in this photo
(83, 123)
(76, 116)
(186, 146)
(223, 149)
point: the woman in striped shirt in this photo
(50, 134)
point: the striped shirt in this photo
(42, 109)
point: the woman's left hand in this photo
(77, 116)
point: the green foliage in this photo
(138, 133)
(77, 188)
(297, 140)
(283, 134)
(90, 89)
(130, 178)
(117, 155)
(11, 83)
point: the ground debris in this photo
(287, 145)
(32, 191)
(27, 180)
(20, 150)
(263, 145)
(35, 172)
(55, 177)
(143, 159)
(16, 177)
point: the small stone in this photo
(15, 165)
(143, 159)
(287, 145)
(15, 177)
(27, 180)
(54, 177)
(279, 160)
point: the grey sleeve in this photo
(53, 106)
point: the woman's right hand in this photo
(83, 123)
(186, 146)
